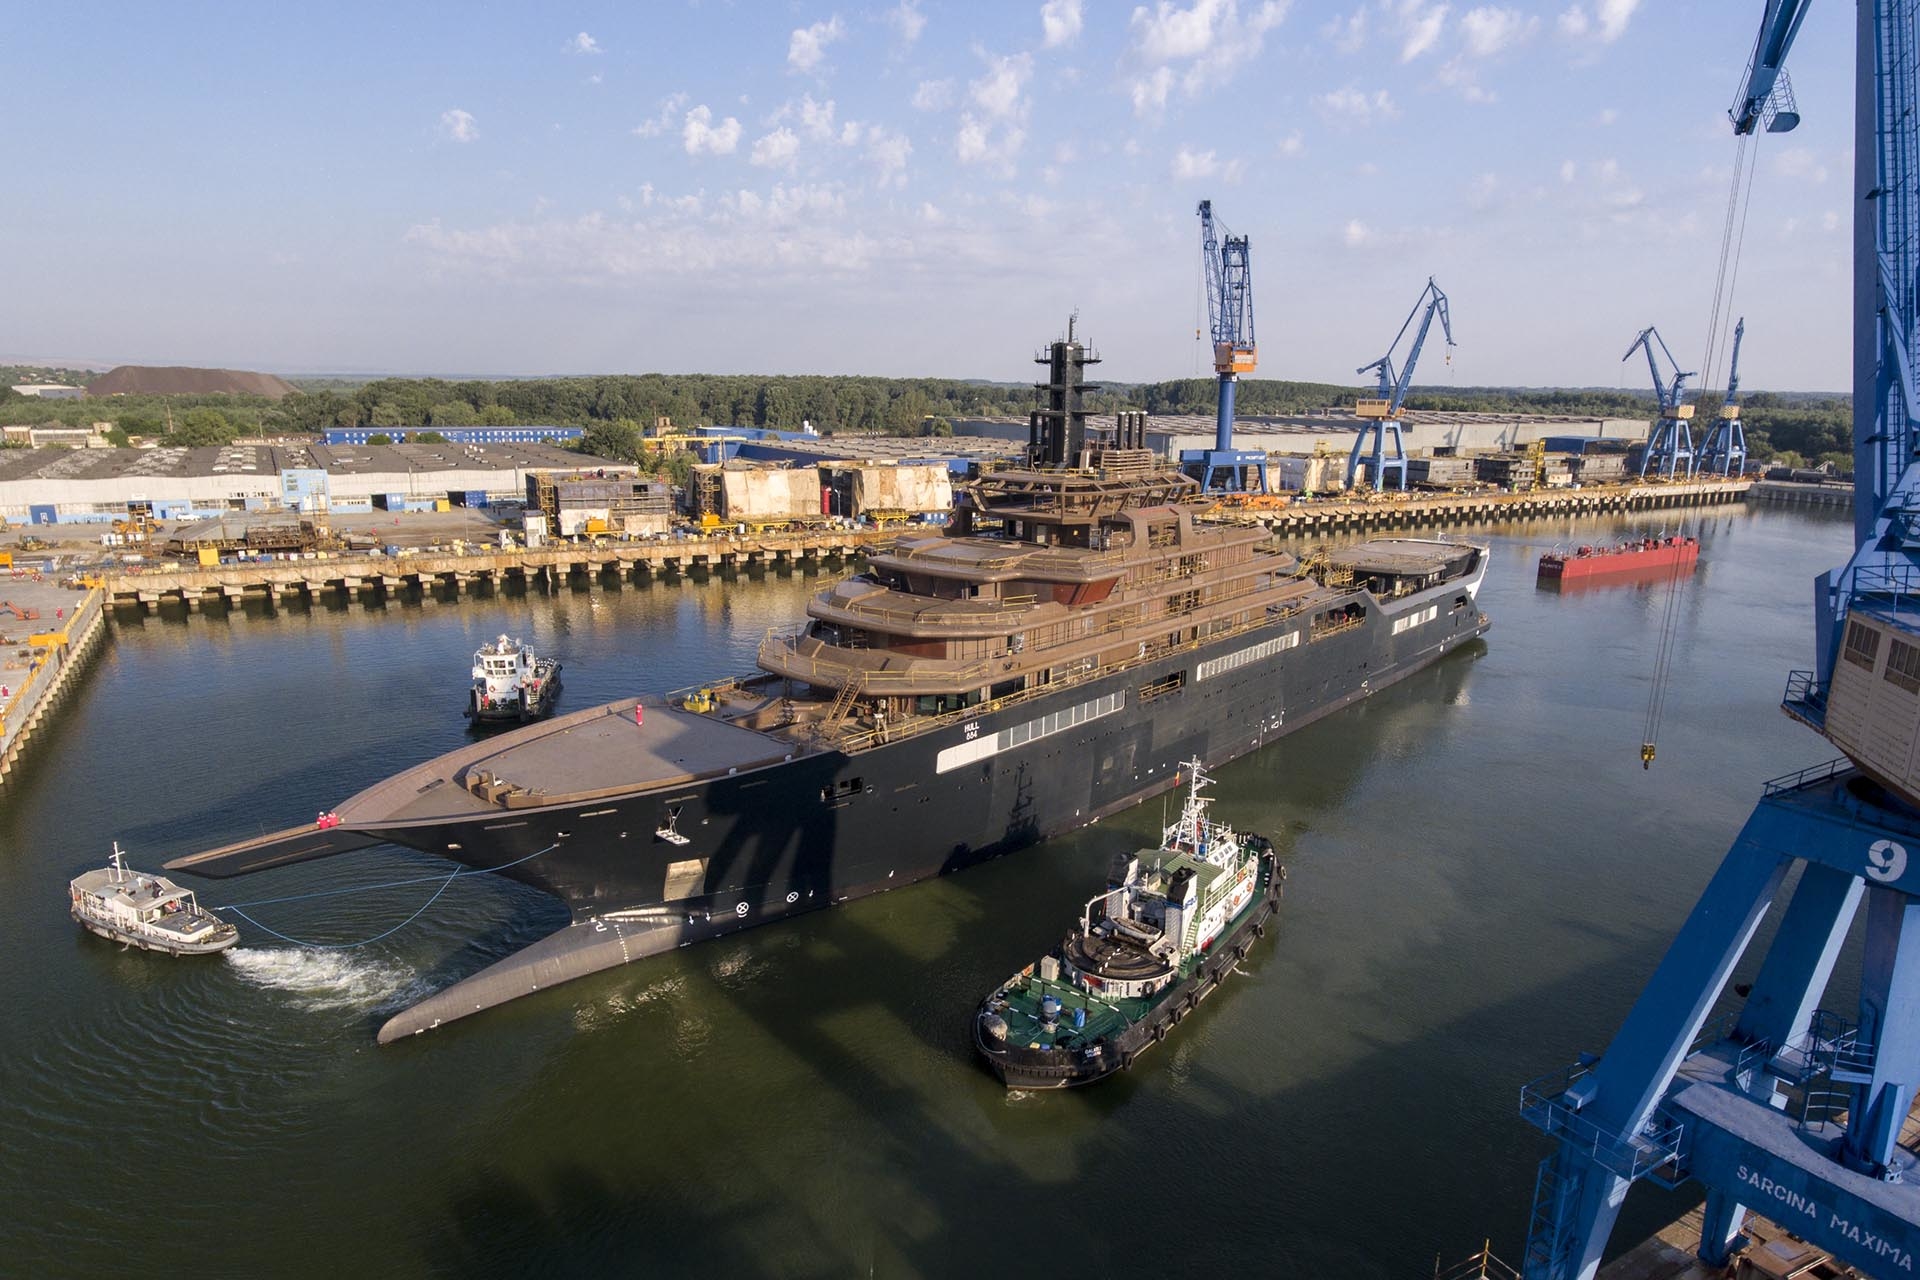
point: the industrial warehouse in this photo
(99, 486)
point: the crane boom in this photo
(1668, 394)
(1393, 389)
(1733, 366)
(1382, 415)
(1226, 262)
(1766, 70)
(1670, 439)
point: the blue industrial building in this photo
(456, 435)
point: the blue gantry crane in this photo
(1381, 415)
(1777, 1104)
(1725, 450)
(1670, 440)
(1227, 265)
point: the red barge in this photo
(1676, 554)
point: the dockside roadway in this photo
(1415, 510)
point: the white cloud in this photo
(1168, 32)
(1060, 22)
(1189, 164)
(458, 125)
(1613, 16)
(989, 143)
(1349, 33)
(1353, 106)
(1212, 36)
(1192, 164)
(907, 21)
(998, 92)
(1608, 116)
(1798, 162)
(816, 118)
(1567, 170)
(583, 43)
(775, 150)
(1481, 195)
(1293, 144)
(1356, 234)
(663, 119)
(1829, 221)
(800, 231)
(933, 95)
(808, 45)
(1418, 25)
(1149, 92)
(1487, 31)
(1608, 23)
(888, 152)
(699, 133)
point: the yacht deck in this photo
(600, 751)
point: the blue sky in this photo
(908, 188)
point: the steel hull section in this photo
(821, 829)
(1663, 558)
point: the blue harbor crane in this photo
(1226, 263)
(1381, 415)
(1670, 440)
(1725, 450)
(1777, 1104)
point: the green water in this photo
(1480, 878)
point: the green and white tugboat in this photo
(1169, 927)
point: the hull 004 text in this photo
(1047, 658)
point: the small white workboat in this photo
(148, 911)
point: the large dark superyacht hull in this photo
(647, 870)
(826, 828)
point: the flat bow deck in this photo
(588, 755)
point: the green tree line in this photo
(618, 409)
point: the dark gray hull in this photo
(826, 828)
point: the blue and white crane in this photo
(1725, 450)
(1226, 263)
(1779, 1104)
(1382, 414)
(1670, 439)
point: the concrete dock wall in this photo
(58, 654)
(359, 577)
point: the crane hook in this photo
(1646, 755)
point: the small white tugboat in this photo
(1167, 930)
(509, 683)
(147, 911)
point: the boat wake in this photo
(323, 979)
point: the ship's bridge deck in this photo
(599, 752)
(981, 559)
(864, 603)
